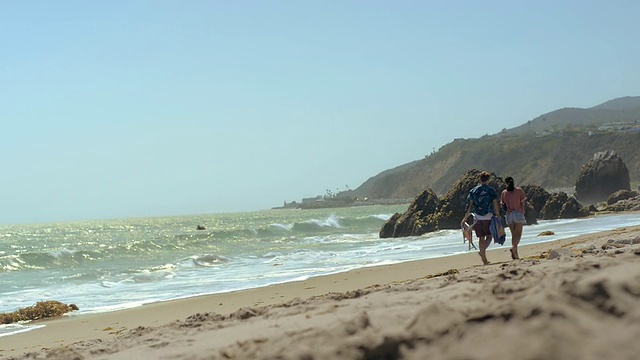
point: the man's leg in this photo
(482, 242)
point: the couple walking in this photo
(483, 204)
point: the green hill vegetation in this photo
(548, 151)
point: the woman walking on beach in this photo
(513, 198)
(483, 203)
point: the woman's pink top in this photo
(513, 199)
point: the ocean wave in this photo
(282, 226)
(278, 230)
(48, 259)
(370, 222)
(151, 276)
(203, 260)
(314, 225)
(208, 260)
(383, 217)
(12, 329)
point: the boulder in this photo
(553, 206)
(601, 176)
(561, 206)
(572, 209)
(536, 198)
(530, 214)
(620, 195)
(631, 204)
(414, 221)
(389, 226)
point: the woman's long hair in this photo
(510, 185)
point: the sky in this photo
(119, 109)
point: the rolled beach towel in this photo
(497, 230)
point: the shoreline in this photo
(71, 331)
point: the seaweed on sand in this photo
(41, 310)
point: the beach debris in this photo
(633, 241)
(41, 310)
(611, 245)
(246, 313)
(448, 272)
(546, 233)
(589, 249)
(561, 252)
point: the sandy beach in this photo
(576, 298)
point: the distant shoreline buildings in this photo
(320, 202)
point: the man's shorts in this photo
(482, 228)
(516, 217)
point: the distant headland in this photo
(320, 202)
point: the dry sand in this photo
(571, 299)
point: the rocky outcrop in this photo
(427, 213)
(625, 204)
(536, 198)
(562, 206)
(601, 176)
(416, 220)
(620, 195)
(388, 229)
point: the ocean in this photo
(116, 264)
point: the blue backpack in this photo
(482, 196)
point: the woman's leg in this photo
(516, 234)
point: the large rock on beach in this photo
(626, 204)
(389, 226)
(601, 176)
(562, 206)
(620, 195)
(531, 215)
(536, 199)
(416, 220)
(427, 213)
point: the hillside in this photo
(548, 151)
(620, 110)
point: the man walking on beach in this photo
(480, 201)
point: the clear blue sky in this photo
(118, 109)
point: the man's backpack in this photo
(482, 196)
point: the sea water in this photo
(115, 264)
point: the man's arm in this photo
(496, 207)
(466, 215)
